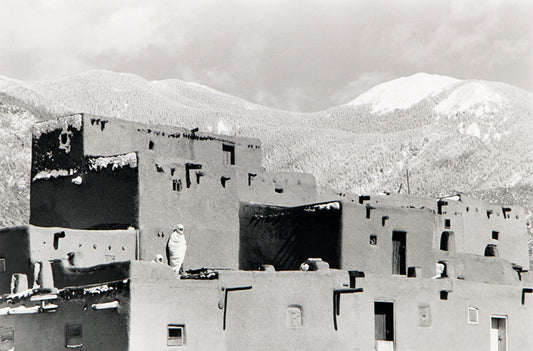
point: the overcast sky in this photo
(302, 55)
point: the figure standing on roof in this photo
(177, 246)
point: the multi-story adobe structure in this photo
(396, 272)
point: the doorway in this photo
(399, 265)
(498, 333)
(384, 325)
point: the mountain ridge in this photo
(476, 146)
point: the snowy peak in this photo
(403, 93)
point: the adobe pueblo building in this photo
(273, 261)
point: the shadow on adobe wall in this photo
(286, 236)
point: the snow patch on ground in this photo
(473, 130)
(402, 93)
(476, 98)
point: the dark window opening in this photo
(411, 272)
(495, 235)
(447, 223)
(505, 211)
(491, 250)
(74, 337)
(2, 265)
(175, 335)
(150, 145)
(278, 190)
(172, 171)
(489, 213)
(384, 320)
(383, 220)
(444, 295)
(176, 185)
(373, 240)
(228, 154)
(399, 253)
(64, 138)
(440, 205)
(57, 236)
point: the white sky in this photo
(303, 55)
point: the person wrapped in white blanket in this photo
(177, 246)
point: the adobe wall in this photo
(105, 137)
(105, 329)
(479, 219)
(294, 310)
(448, 327)
(359, 252)
(15, 250)
(286, 236)
(22, 247)
(280, 189)
(207, 209)
(90, 247)
(104, 198)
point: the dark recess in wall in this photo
(286, 236)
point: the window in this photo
(176, 335)
(2, 265)
(176, 185)
(373, 240)
(447, 223)
(228, 154)
(473, 315)
(444, 295)
(150, 145)
(495, 235)
(74, 336)
(384, 320)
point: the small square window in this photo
(373, 240)
(175, 335)
(444, 295)
(2, 265)
(447, 223)
(495, 235)
(74, 337)
(473, 315)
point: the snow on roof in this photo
(55, 173)
(96, 163)
(105, 305)
(404, 92)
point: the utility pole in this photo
(407, 176)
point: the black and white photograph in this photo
(266, 175)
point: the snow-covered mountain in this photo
(452, 135)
